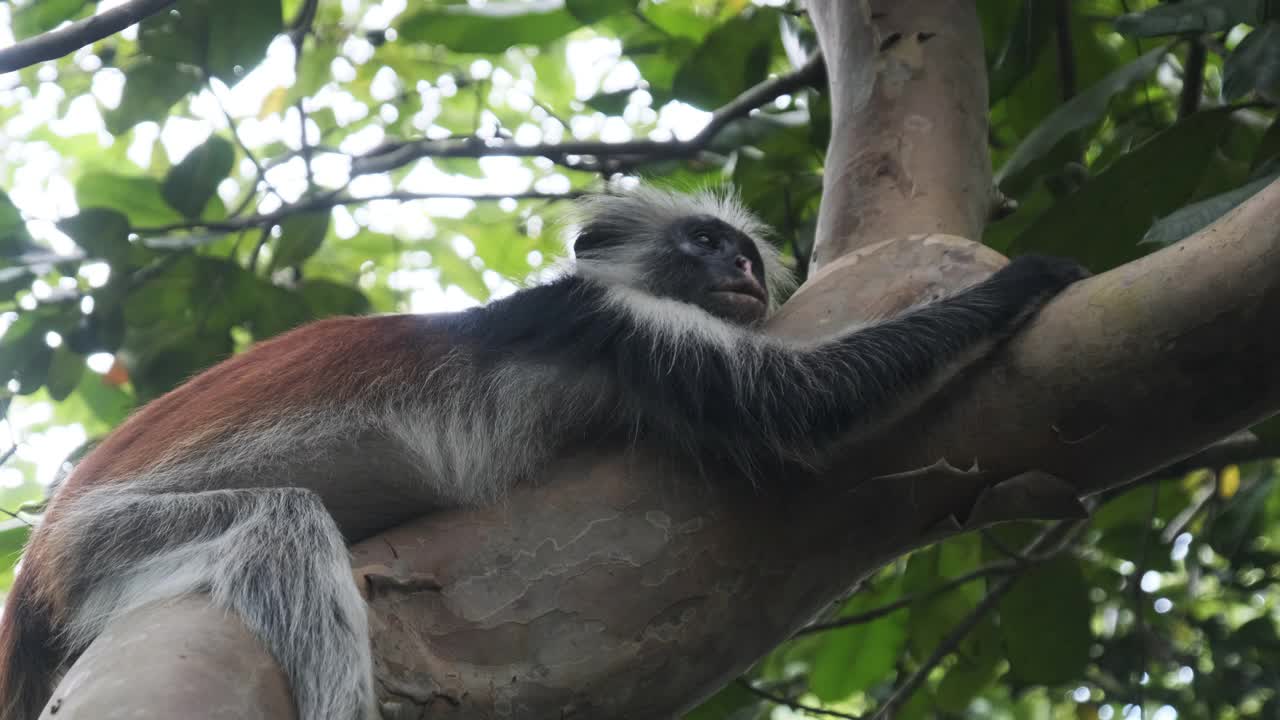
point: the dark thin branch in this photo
(1005, 568)
(55, 44)
(257, 165)
(944, 648)
(1066, 53)
(332, 200)
(1140, 604)
(1192, 78)
(788, 702)
(306, 149)
(580, 154)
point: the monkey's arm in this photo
(756, 400)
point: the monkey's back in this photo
(325, 374)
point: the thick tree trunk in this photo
(617, 589)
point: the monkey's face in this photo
(717, 268)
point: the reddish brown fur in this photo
(338, 361)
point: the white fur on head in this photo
(641, 214)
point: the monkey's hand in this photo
(1026, 285)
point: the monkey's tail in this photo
(28, 659)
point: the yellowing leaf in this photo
(276, 101)
(1229, 481)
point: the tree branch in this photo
(581, 154)
(789, 703)
(53, 45)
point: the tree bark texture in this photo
(617, 588)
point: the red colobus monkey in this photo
(247, 482)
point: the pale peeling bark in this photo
(617, 590)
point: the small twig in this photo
(17, 517)
(794, 705)
(306, 149)
(235, 135)
(394, 155)
(994, 541)
(1139, 603)
(953, 639)
(1180, 522)
(906, 600)
(55, 44)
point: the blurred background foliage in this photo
(228, 170)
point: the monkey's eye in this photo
(704, 240)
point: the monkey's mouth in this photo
(742, 290)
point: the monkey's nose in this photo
(743, 264)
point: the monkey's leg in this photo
(274, 557)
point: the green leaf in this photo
(14, 280)
(11, 543)
(43, 16)
(24, 354)
(109, 403)
(492, 27)
(732, 59)
(934, 615)
(138, 198)
(610, 103)
(1100, 224)
(1013, 49)
(1254, 65)
(1138, 542)
(589, 11)
(102, 233)
(1083, 110)
(1044, 620)
(176, 357)
(274, 310)
(680, 19)
(225, 37)
(325, 298)
(65, 370)
(14, 238)
(1267, 151)
(315, 69)
(1186, 220)
(733, 702)
(192, 182)
(1134, 507)
(1243, 518)
(151, 87)
(855, 658)
(1192, 16)
(300, 236)
(977, 666)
